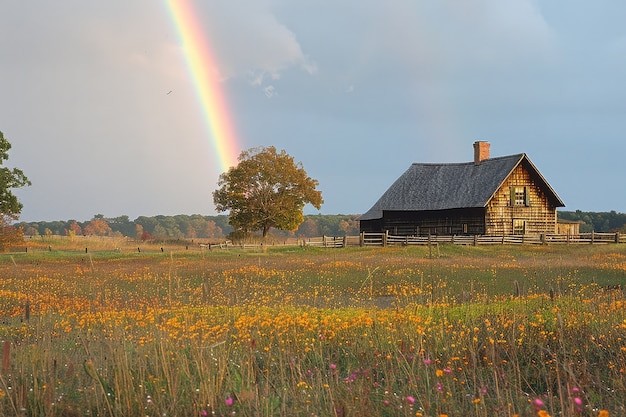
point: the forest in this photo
(184, 226)
(602, 222)
(217, 227)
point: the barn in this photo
(489, 196)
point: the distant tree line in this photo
(193, 226)
(217, 227)
(603, 222)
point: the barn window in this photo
(519, 196)
(519, 227)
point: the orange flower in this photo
(603, 413)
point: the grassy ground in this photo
(100, 327)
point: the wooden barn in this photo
(489, 196)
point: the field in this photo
(102, 328)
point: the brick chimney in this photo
(481, 151)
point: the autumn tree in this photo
(10, 207)
(98, 226)
(266, 189)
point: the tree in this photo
(97, 227)
(10, 207)
(266, 189)
(9, 178)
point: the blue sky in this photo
(356, 91)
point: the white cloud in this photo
(251, 43)
(270, 91)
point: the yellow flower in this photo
(603, 413)
(543, 413)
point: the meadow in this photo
(117, 330)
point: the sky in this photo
(104, 109)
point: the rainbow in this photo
(202, 68)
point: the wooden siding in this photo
(423, 223)
(538, 213)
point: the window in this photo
(519, 227)
(519, 196)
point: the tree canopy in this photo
(10, 207)
(9, 178)
(266, 189)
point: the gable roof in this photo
(449, 186)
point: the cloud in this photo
(270, 91)
(251, 43)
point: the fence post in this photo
(616, 237)
(592, 237)
(475, 240)
(361, 239)
(385, 236)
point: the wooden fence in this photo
(385, 239)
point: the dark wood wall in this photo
(424, 223)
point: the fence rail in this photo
(385, 239)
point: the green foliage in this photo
(10, 207)
(9, 178)
(597, 221)
(266, 189)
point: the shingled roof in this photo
(451, 186)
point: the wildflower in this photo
(603, 413)
(427, 361)
(538, 403)
(410, 399)
(578, 401)
(229, 401)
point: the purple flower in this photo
(229, 401)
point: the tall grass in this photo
(298, 331)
